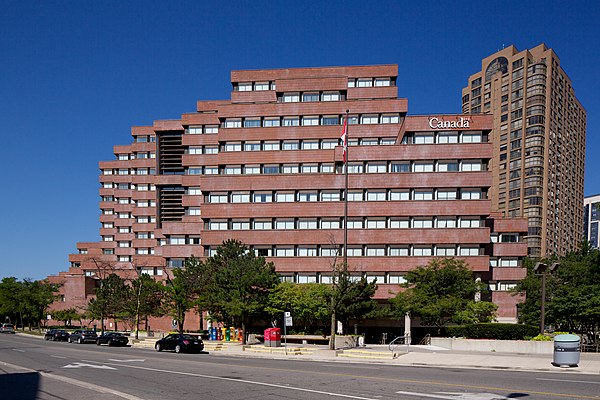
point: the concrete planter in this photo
(500, 346)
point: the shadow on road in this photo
(20, 386)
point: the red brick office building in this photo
(266, 167)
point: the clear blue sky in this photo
(76, 75)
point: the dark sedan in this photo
(112, 339)
(180, 343)
(83, 336)
(57, 335)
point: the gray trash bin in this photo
(566, 350)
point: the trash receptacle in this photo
(566, 350)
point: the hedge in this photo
(493, 331)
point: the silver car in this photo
(7, 328)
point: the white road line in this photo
(19, 350)
(58, 357)
(131, 360)
(297, 389)
(566, 380)
(458, 396)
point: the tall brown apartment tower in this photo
(539, 144)
(266, 167)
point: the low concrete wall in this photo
(501, 346)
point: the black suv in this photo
(83, 336)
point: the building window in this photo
(373, 168)
(284, 197)
(284, 224)
(330, 224)
(291, 145)
(307, 196)
(420, 251)
(291, 121)
(251, 122)
(397, 195)
(271, 146)
(263, 197)
(424, 138)
(310, 121)
(469, 250)
(355, 223)
(445, 194)
(305, 223)
(217, 198)
(331, 96)
(330, 196)
(270, 122)
(291, 97)
(330, 120)
(423, 167)
(374, 195)
(422, 223)
(398, 251)
(355, 195)
(266, 224)
(423, 195)
(310, 97)
(369, 119)
(443, 222)
(233, 123)
(470, 194)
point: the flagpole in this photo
(346, 193)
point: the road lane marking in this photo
(131, 360)
(83, 365)
(75, 382)
(58, 357)
(19, 350)
(566, 380)
(458, 396)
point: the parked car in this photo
(83, 336)
(57, 335)
(180, 343)
(7, 328)
(112, 339)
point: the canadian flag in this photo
(344, 137)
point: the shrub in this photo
(492, 331)
(541, 338)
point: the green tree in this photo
(183, 289)
(36, 297)
(476, 312)
(348, 299)
(146, 299)
(10, 300)
(437, 292)
(307, 303)
(237, 284)
(67, 315)
(572, 293)
(111, 298)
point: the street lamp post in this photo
(541, 269)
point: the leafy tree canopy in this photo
(437, 292)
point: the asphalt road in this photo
(71, 371)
